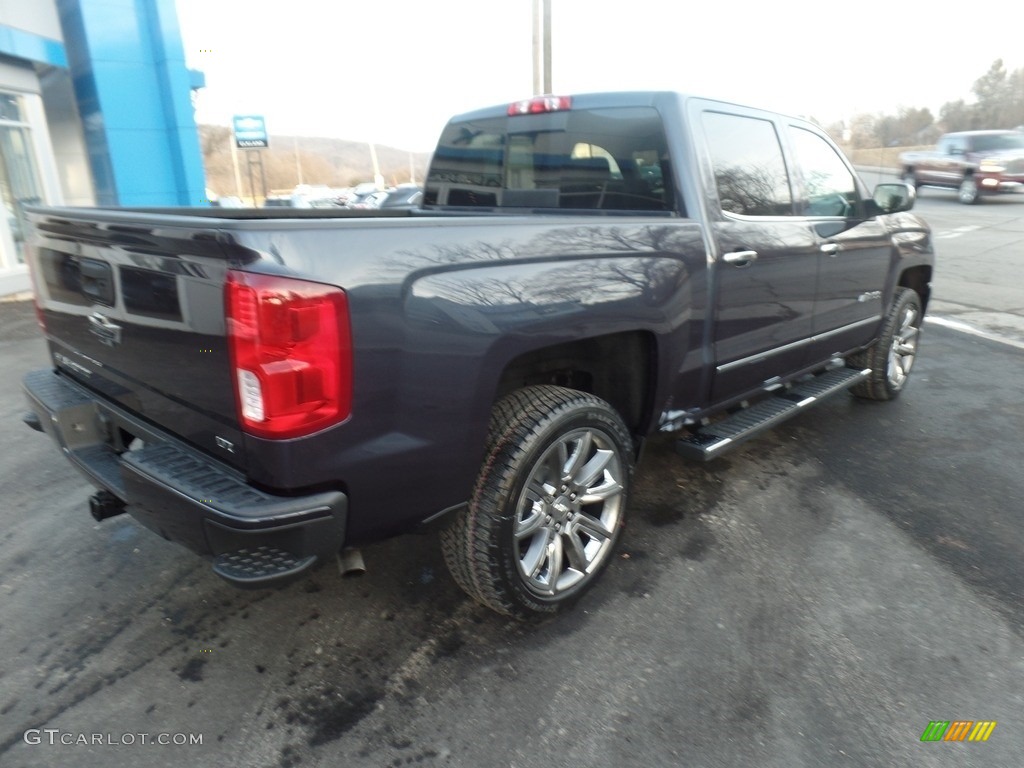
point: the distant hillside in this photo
(334, 162)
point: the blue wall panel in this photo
(26, 45)
(134, 95)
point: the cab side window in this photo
(952, 145)
(750, 172)
(829, 187)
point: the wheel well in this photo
(918, 278)
(618, 368)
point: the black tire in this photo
(531, 541)
(910, 178)
(968, 193)
(892, 356)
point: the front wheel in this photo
(548, 505)
(968, 191)
(893, 355)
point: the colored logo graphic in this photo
(958, 730)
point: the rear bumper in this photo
(182, 494)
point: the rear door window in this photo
(612, 159)
(750, 172)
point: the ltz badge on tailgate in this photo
(107, 332)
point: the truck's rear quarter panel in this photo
(437, 314)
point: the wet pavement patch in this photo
(329, 714)
(696, 547)
(193, 670)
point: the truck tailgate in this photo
(135, 312)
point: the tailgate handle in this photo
(97, 281)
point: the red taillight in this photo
(291, 354)
(40, 317)
(539, 105)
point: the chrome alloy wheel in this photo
(568, 511)
(904, 348)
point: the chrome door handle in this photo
(740, 258)
(830, 249)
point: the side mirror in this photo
(895, 197)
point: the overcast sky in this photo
(393, 71)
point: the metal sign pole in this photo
(249, 159)
(263, 176)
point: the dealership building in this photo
(95, 109)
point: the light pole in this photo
(541, 47)
(298, 162)
(234, 163)
(378, 178)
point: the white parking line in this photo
(958, 232)
(962, 327)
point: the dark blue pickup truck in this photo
(272, 388)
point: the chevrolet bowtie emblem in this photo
(107, 332)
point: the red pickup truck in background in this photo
(974, 163)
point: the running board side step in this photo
(713, 440)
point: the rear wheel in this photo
(910, 178)
(893, 355)
(548, 505)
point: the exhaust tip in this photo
(350, 562)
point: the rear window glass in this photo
(601, 159)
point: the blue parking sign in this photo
(250, 132)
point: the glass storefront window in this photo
(10, 108)
(19, 179)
